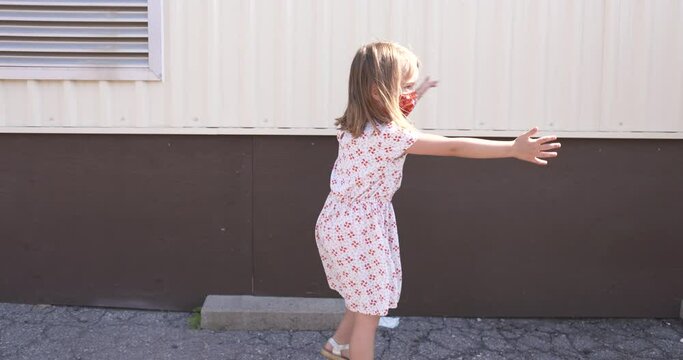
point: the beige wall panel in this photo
(580, 68)
(528, 63)
(591, 60)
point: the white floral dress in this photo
(356, 230)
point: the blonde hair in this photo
(382, 66)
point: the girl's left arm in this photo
(424, 86)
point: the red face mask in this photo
(407, 102)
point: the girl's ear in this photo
(374, 92)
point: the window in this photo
(81, 39)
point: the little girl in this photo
(356, 230)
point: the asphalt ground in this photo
(74, 332)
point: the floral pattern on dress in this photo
(356, 231)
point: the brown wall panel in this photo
(598, 232)
(137, 221)
(595, 233)
(291, 181)
(140, 221)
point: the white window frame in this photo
(154, 72)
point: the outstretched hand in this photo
(424, 86)
(531, 150)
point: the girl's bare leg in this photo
(343, 333)
(363, 337)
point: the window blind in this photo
(75, 34)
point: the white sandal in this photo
(336, 350)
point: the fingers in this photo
(531, 131)
(547, 154)
(428, 83)
(547, 138)
(424, 86)
(540, 162)
(550, 146)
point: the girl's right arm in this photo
(522, 148)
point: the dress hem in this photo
(359, 309)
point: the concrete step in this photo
(247, 312)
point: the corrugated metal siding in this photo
(583, 68)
